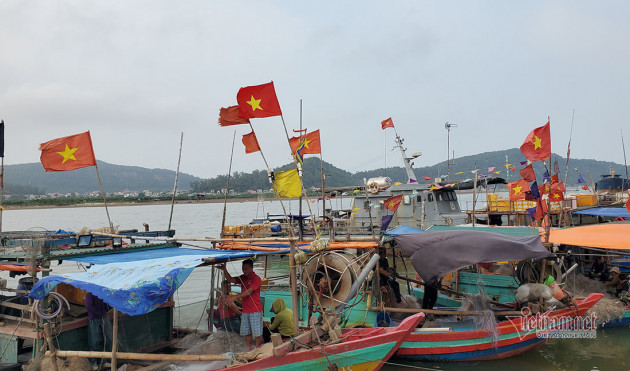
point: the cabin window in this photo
(366, 205)
(419, 198)
(430, 197)
(406, 199)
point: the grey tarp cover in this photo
(435, 254)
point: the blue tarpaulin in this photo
(135, 287)
(166, 252)
(612, 212)
(403, 229)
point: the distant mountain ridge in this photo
(32, 178)
(336, 177)
(115, 178)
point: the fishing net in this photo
(46, 363)
(479, 303)
(607, 308)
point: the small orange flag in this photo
(251, 143)
(68, 153)
(518, 189)
(229, 116)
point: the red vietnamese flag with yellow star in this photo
(556, 192)
(258, 101)
(537, 145)
(68, 153)
(312, 144)
(392, 203)
(518, 189)
(387, 123)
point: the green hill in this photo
(336, 177)
(115, 178)
(32, 179)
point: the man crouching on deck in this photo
(252, 318)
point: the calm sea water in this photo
(606, 352)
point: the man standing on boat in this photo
(386, 279)
(252, 318)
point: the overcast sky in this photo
(138, 73)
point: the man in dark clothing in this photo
(97, 314)
(386, 272)
(600, 270)
(430, 296)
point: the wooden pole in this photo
(625, 162)
(330, 232)
(213, 273)
(294, 293)
(114, 341)
(98, 175)
(300, 224)
(474, 201)
(227, 187)
(1, 174)
(566, 173)
(181, 142)
(139, 356)
(447, 312)
(51, 346)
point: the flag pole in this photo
(227, 187)
(300, 225)
(1, 194)
(566, 174)
(300, 170)
(625, 163)
(181, 142)
(1, 174)
(98, 175)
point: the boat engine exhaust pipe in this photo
(357, 284)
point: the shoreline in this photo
(116, 204)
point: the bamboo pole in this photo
(139, 356)
(170, 219)
(114, 341)
(213, 273)
(447, 312)
(1, 174)
(227, 187)
(293, 282)
(51, 346)
(109, 220)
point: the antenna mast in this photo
(448, 146)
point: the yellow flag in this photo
(288, 183)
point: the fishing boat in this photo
(513, 337)
(356, 348)
(422, 206)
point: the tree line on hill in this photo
(461, 169)
(32, 179)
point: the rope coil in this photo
(320, 245)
